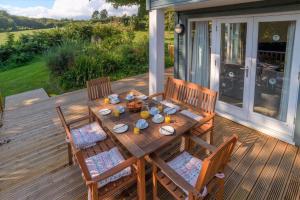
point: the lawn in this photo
(17, 34)
(28, 77)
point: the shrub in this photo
(62, 58)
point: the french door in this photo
(256, 71)
(233, 47)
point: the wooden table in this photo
(149, 139)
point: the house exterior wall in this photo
(181, 41)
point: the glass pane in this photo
(232, 69)
(200, 53)
(274, 57)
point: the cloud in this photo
(76, 9)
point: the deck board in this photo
(34, 164)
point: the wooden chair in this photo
(67, 126)
(210, 179)
(95, 190)
(98, 88)
(111, 189)
(197, 98)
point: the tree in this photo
(141, 3)
(95, 15)
(103, 14)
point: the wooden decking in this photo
(33, 165)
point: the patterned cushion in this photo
(88, 135)
(191, 115)
(187, 166)
(104, 161)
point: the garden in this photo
(63, 59)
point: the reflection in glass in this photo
(274, 60)
(232, 68)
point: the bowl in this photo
(134, 106)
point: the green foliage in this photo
(114, 51)
(62, 58)
(15, 53)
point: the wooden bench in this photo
(199, 99)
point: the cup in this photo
(144, 114)
(160, 107)
(168, 119)
(106, 100)
(116, 113)
(136, 130)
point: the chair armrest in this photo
(172, 174)
(79, 120)
(207, 118)
(157, 94)
(202, 143)
(114, 170)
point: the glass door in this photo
(233, 48)
(273, 47)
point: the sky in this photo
(76, 9)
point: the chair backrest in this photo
(192, 94)
(98, 88)
(216, 162)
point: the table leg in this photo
(141, 183)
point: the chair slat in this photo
(98, 88)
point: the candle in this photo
(136, 130)
(168, 119)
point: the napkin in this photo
(169, 104)
(191, 115)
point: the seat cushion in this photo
(103, 162)
(191, 115)
(88, 135)
(187, 166)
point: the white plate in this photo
(142, 97)
(170, 111)
(113, 96)
(158, 118)
(104, 111)
(167, 130)
(120, 128)
(145, 124)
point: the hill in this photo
(16, 23)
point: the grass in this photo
(17, 34)
(28, 77)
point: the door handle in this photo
(246, 70)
